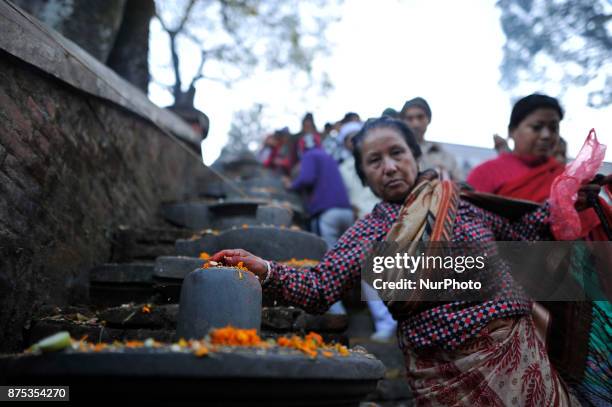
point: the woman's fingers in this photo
(231, 257)
(228, 253)
(219, 255)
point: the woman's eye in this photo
(396, 152)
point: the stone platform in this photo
(241, 377)
(224, 214)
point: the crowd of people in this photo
(382, 181)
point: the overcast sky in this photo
(383, 53)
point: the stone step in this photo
(239, 164)
(268, 188)
(94, 330)
(169, 272)
(118, 283)
(175, 267)
(192, 215)
(125, 322)
(273, 319)
(134, 321)
(137, 244)
(257, 188)
(270, 243)
(266, 181)
(149, 316)
(296, 320)
(128, 273)
(229, 213)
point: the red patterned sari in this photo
(506, 365)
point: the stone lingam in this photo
(215, 297)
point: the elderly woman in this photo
(457, 353)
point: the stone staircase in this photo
(136, 295)
(149, 264)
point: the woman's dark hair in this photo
(379, 123)
(527, 105)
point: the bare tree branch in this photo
(199, 74)
(185, 16)
(253, 31)
(189, 35)
(223, 81)
(175, 65)
(225, 18)
(172, 33)
(161, 21)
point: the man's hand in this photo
(232, 257)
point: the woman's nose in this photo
(545, 133)
(389, 166)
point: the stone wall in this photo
(72, 168)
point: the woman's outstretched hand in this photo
(231, 257)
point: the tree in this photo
(129, 56)
(564, 42)
(246, 131)
(116, 32)
(233, 37)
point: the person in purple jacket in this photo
(327, 201)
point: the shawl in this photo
(427, 215)
(535, 184)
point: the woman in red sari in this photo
(529, 170)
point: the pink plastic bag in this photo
(565, 222)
